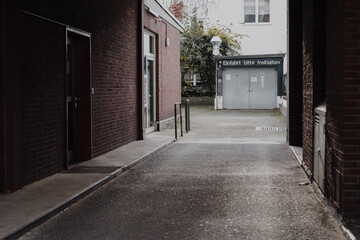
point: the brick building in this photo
(162, 30)
(324, 75)
(72, 82)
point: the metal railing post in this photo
(175, 118)
(181, 123)
(175, 121)
(187, 116)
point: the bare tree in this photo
(203, 6)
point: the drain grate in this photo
(92, 169)
(270, 128)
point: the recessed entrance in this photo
(78, 99)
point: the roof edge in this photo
(282, 55)
(164, 13)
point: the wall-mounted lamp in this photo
(216, 42)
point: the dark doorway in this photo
(78, 98)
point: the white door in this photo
(263, 88)
(235, 89)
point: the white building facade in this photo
(264, 22)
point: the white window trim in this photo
(257, 23)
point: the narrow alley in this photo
(226, 179)
(89, 98)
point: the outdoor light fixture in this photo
(216, 42)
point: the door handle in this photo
(76, 100)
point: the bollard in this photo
(175, 121)
(187, 116)
(175, 117)
(181, 124)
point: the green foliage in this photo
(196, 54)
(188, 90)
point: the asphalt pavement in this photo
(231, 177)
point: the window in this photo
(256, 11)
(149, 45)
(264, 10)
(250, 10)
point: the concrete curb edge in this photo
(322, 198)
(67, 203)
(141, 159)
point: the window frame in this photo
(257, 14)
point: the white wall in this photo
(263, 38)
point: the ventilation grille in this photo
(317, 119)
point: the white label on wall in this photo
(228, 77)
(253, 79)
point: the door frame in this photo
(152, 57)
(89, 143)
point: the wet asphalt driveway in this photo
(223, 187)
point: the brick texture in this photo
(308, 80)
(351, 111)
(168, 66)
(113, 27)
(334, 100)
(314, 69)
(2, 165)
(331, 71)
(43, 97)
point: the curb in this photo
(150, 154)
(322, 198)
(67, 203)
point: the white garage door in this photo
(250, 88)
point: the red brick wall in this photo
(113, 25)
(334, 98)
(308, 78)
(171, 75)
(351, 110)
(340, 78)
(331, 69)
(43, 98)
(314, 69)
(2, 166)
(168, 66)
